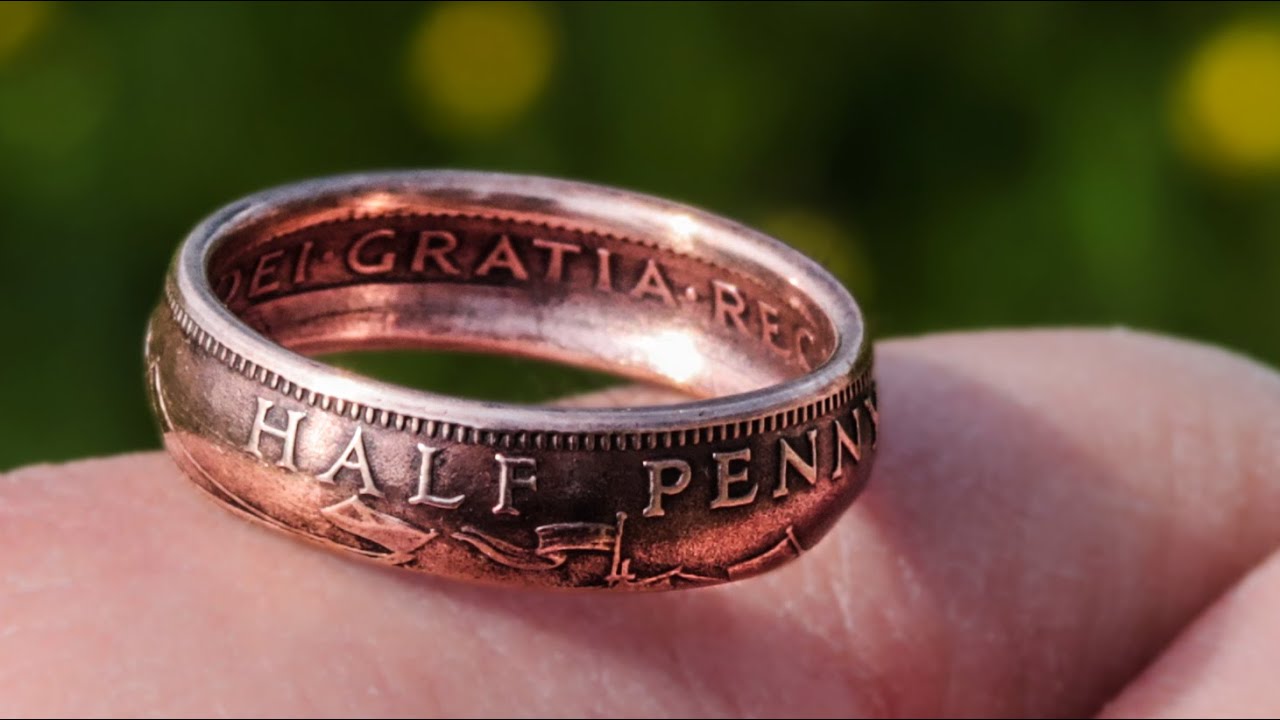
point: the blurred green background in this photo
(958, 166)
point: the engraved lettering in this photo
(846, 444)
(555, 262)
(304, 257)
(353, 458)
(870, 404)
(426, 478)
(231, 281)
(604, 273)
(385, 262)
(790, 459)
(264, 278)
(507, 479)
(726, 478)
(657, 488)
(804, 336)
(653, 284)
(503, 256)
(435, 245)
(769, 326)
(729, 306)
(288, 433)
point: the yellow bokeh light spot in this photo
(825, 241)
(1228, 105)
(19, 23)
(476, 67)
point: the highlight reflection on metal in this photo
(683, 227)
(624, 498)
(675, 356)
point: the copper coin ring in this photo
(746, 477)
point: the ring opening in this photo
(388, 272)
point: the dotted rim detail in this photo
(432, 428)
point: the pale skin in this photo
(1059, 523)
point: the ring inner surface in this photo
(662, 309)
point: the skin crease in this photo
(1224, 665)
(1049, 511)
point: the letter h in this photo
(289, 434)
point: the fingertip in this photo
(1223, 665)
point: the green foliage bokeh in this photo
(959, 166)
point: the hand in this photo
(1058, 523)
